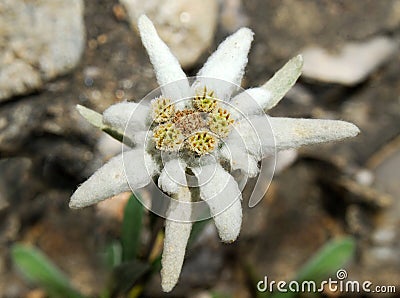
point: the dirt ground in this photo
(332, 190)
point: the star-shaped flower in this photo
(210, 133)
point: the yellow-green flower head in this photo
(167, 137)
(201, 125)
(204, 101)
(202, 142)
(162, 109)
(220, 122)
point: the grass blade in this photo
(197, 228)
(327, 260)
(127, 275)
(37, 268)
(331, 257)
(113, 255)
(131, 228)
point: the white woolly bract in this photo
(222, 194)
(127, 115)
(255, 135)
(250, 102)
(173, 176)
(110, 179)
(239, 159)
(166, 65)
(293, 133)
(176, 238)
(139, 137)
(227, 63)
(107, 181)
(282, 81)
(139, 167)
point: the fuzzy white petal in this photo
(222, 194)
(293, 133)
(239, 159)
(110, 179)
(139, 167)
(119, 115)
(175, 241)
(255, 135)
(166, 65)
(227, 63)
(282, 81)
(261, 134)
(250, 102)
(139, 137)
(173, 176)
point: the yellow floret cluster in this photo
(167, 137)
(162, 109)
(198, 128)
(202, 142)
(205, 101)
(220, 121)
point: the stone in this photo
(16, 125)
(15, 172)
(187, 27)
(284, 27)
(38, 41)
(232, 15)
(353, 62)
(292, 225)
(385, 166)
(380, 256)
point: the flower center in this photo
(189, 121)
(198, 128)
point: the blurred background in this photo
(55, 54)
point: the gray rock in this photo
(285, 27)
(17, 122)
(232, 16)
(186, 26)
(38, 41)
(15, 172)
(352, 64)
(50, 131)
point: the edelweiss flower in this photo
(209, 134)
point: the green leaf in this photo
(156, 264)
(331, 257)
(283, 80)
(113, 254)
(328, 259)
(37, 268)
(126, 275)
(197, 228)
(96, 119)
(131, 228)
